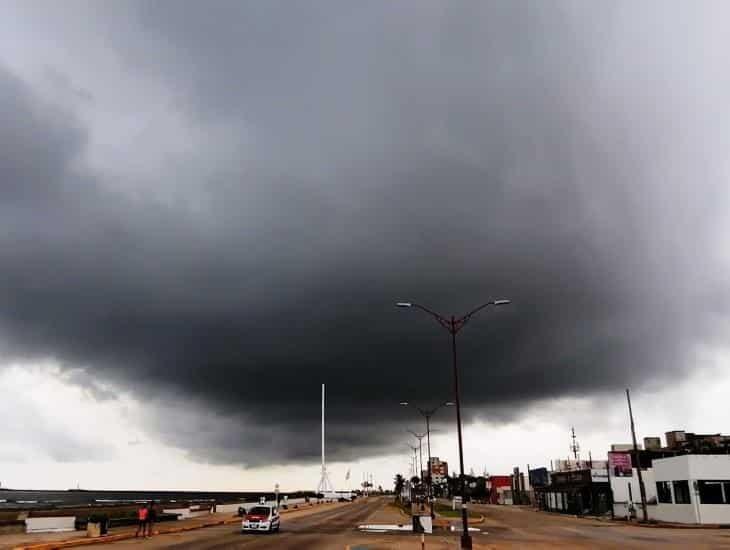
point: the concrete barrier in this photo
(194, 511)
(198, 510)
(50, 525)
(233, 508)
(228, 508)
(183, 513)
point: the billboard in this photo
(539, 477)
(562, 465)
(619, 464)
(599, 475)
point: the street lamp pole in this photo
(415, 459)
(428, 479)
(420, 455)
(427, 414)
(420, 449)
(414, 492)
(453, 325)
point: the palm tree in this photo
(399, 482)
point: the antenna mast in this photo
(574, 446)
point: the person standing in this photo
(151, 517)
(142, 513)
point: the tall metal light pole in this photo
(415, 459)
(453, 325)
(420, 449)
(428, 413)
(420, 457)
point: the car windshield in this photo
(259, 511)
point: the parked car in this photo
(261, 518)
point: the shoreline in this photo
(39, 499)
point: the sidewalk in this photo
(652, 523)
(52, 541)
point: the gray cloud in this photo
(569, 157)
(31, 430)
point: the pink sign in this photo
(619, 464)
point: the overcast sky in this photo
(206, 211)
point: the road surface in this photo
(332, 528)
(504, 527)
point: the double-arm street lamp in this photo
(453, 325)
(420, 450)
(415, 459)
(427, 414)
(420, 457)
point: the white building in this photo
(627, 493)
(693, 489)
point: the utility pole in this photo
(642, 489)
(610, 490)
(430, 466)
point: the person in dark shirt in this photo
(151, 517)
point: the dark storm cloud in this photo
(568, 157)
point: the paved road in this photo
(505, 527)
(332, 528)
(515, 527)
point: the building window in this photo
(664, 492)
(681, 492)
(711, 492)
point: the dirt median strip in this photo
(71, 543)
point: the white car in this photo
(261, 518)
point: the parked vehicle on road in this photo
(261, 518)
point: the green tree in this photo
(399, 482)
